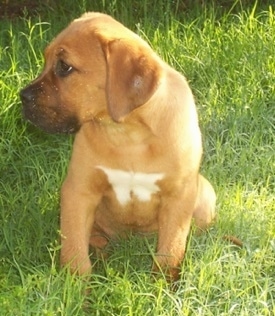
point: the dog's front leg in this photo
(174, 225)
(77, 218)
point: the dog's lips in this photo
(50, 121)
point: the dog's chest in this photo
(127, 184)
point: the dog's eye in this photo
(62, 69)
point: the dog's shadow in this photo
(125, 256)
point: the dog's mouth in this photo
(68, 125)
(49, 119)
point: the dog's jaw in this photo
(47, 118)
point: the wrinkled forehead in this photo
(72, 42)
(87, 34)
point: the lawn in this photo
(227, 53)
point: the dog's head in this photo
(95, 65)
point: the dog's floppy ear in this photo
(132, 76)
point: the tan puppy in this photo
(137, 150)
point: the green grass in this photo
(227, 54)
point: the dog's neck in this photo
(129, 131)
(104, 119)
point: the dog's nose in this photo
(26, 95)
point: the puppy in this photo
(137, 149)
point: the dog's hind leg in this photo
(204, 212)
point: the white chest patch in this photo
(127, 183)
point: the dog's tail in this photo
(234, 240)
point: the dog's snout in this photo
(26, 95)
